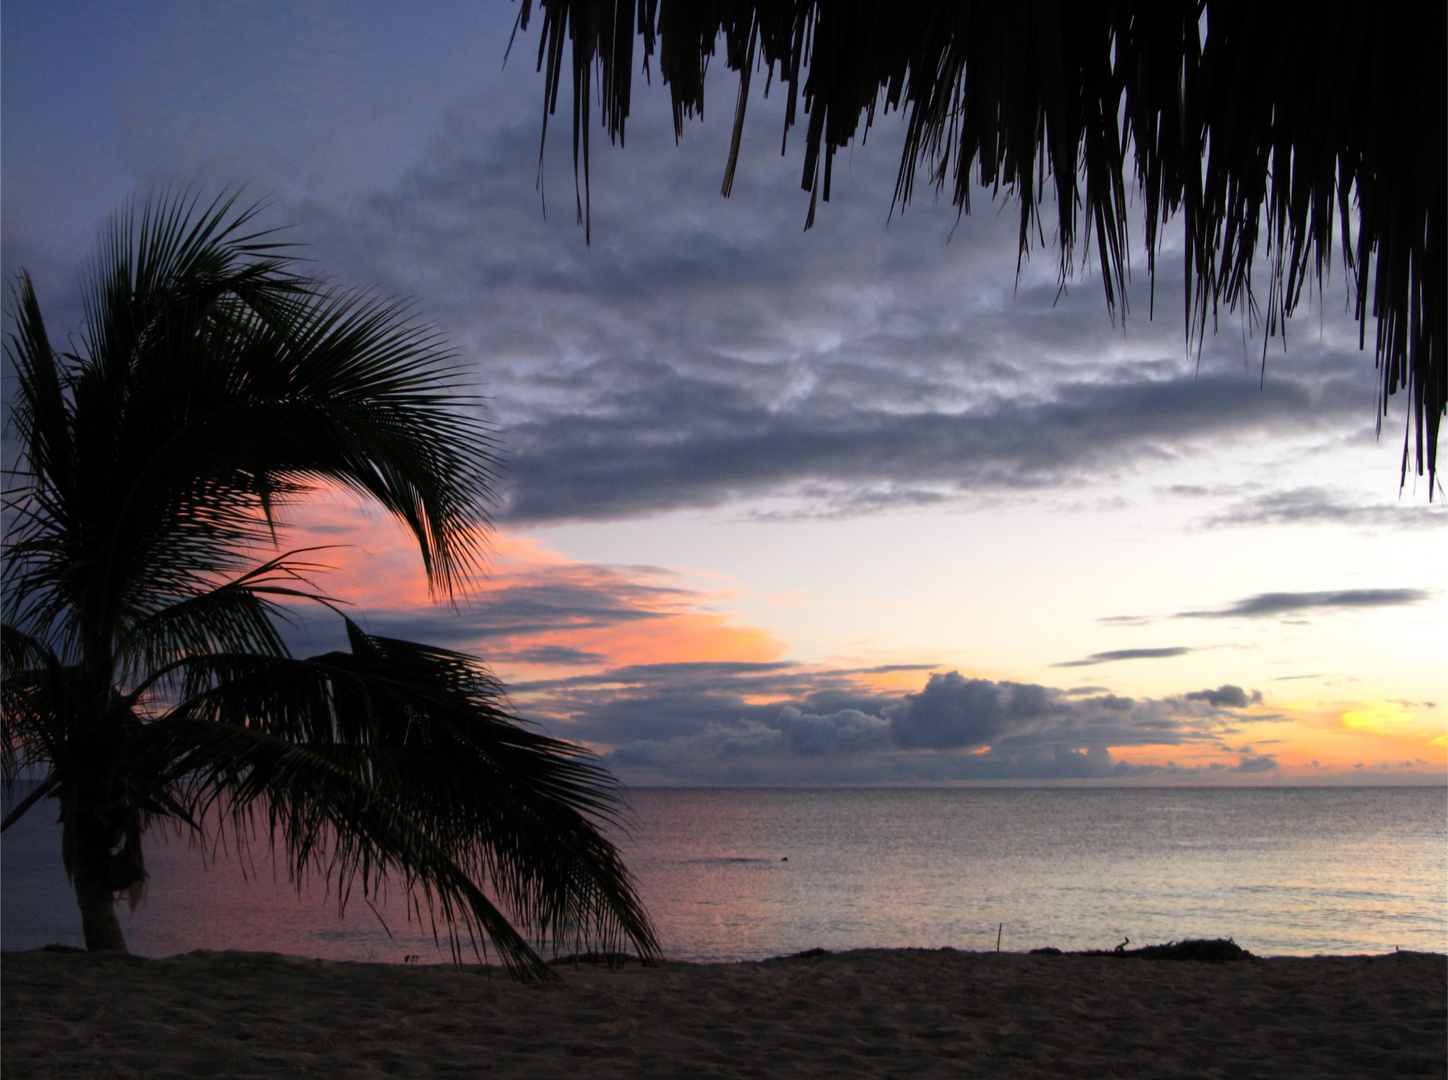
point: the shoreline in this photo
(865, 1013)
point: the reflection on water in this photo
(749, 873)
(1280, 870)
(200, 899)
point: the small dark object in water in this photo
(53, 947)
(1049, 950)
(785, 859)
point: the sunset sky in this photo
(852, 505)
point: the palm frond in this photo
(215, 386)
(399, 760)
(1271, 129)
(144, 664)
(237, 616)
(40, 791)
(35, 689)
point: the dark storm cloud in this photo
(1126, 654)
(753, 757)
(703, 351)
(653, 701)
(844, 731)
(1225, 697)
(1255, 763)
(952, 712)
(1265, 605)
(757, 723)
(654, 438)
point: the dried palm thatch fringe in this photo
(1300, 122)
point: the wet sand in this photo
(872, 1013)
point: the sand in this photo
(874, 1013)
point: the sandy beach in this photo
(871, 1013)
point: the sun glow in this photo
(1395, 719)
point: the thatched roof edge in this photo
(1305, 133)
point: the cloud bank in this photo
(750, 723)
(702, 352)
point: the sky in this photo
(853, 505)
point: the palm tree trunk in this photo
(88, 846)
(97, 907)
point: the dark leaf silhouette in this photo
(1291, 131)
(145, 675)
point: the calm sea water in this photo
(750, 873)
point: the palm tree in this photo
(146, 675)
(1291, 124)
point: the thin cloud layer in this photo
(1267, 605)
(1114, 655)
(577, 615)
(533, 610)
(1261, 606)
(1324, 506)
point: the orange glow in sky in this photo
(643, 615)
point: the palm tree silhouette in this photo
(1298, 129)
(145, 673)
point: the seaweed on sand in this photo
(1214, 951)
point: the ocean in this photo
(741, 874)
